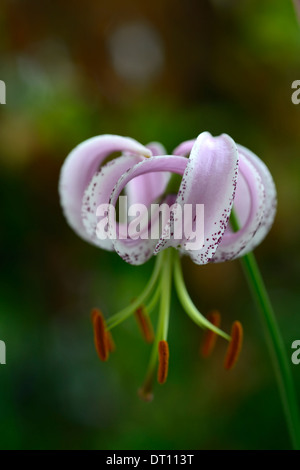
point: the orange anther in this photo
(210, 337)
(110, 341)
(145, 324)
(100, 335)
(163, 355)
(235, 345)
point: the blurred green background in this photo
(163, 70)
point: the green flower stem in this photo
(126, 312)
(188, 304)
(274, 341)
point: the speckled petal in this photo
(79, 168)
(210, 178)
(255, 208)
(139, 251)
(249, 203)
(99, 192)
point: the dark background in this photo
(163, 70)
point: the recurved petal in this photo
(98, 193)
(255, 204)
(79, 168)
(149, 187)
(156, 149)
(140, 250)
(210, 179)
(184, 148)
(270, 199)
(249, 203)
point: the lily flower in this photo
(217, 174)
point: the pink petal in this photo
(270, 199)
(255, 204)
(79, 168)
(210, 179)
(184, 148)
(139, 251)
(249, 202)
(149, 187)
(99, 192)
(156, 149)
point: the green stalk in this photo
(274, 340)
(155, 298)
(166, 280)
(188, 304)
(126, 312)
(164, 309)
(163, 319)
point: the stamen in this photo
(163, 356)
(235, 345)
(110, 342)
(210, 337)
(145, 324)
(100, 335)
